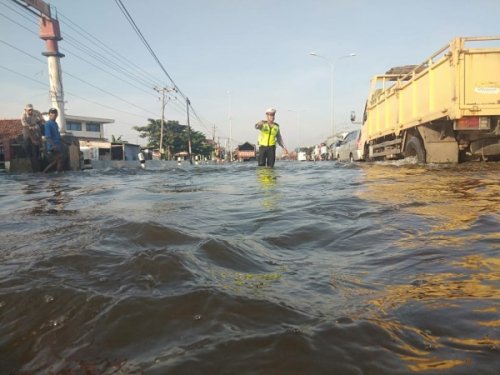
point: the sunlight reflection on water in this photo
(339, 268)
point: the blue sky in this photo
(232, 56)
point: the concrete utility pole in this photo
(163, 91)
(51, 33)
(188, 103)
(214, 153)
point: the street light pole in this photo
(332, 72)
(297, 112)
(230, 118)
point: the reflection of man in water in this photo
(268, 196)
(269, 136)
(267, 178)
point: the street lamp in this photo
(230, 118)
(332, 67)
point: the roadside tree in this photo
(175, 138)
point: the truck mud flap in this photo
(440, 143)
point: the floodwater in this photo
(317, 268)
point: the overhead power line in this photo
(18, 24)
(145, 42)
(22, 14)
(143, 78)
(46, 85)
(80, 79)
(117, 63)
(25, 76)
(144, 75)
(148, 47)
(80, 57)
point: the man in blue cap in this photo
(53, 141)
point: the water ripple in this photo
(318, 267)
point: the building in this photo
(90, 133)
(94, 147)
(9, 130)
(86, 127)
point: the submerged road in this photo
(308, 268)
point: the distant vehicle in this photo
(335, 145)
(302, 156)
(88, 154)
(246, 152)
(351, 148)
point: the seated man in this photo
(32, 122)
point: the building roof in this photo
(89, 119)
(10, 128)
(91, 139)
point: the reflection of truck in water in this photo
(446, 109)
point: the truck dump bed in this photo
(454, 82)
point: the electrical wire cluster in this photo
(92, 51)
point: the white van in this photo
(351, 148)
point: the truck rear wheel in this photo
(415, 148)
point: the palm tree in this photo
(116, 140)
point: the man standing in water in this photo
(53, 139)
(269, 135)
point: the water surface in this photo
(307, 268)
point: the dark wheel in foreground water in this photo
(415, 148)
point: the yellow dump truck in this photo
(445, 110)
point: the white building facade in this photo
(86, 127)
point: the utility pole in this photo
(51, 33)
(162, 91)
(188, 103)
(214, 153)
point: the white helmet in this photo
(271, 110)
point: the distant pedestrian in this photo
(32, 122)
(316, 153)
(324, 152)
(269, 135)
(53, 141)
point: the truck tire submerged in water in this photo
(415, 148)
